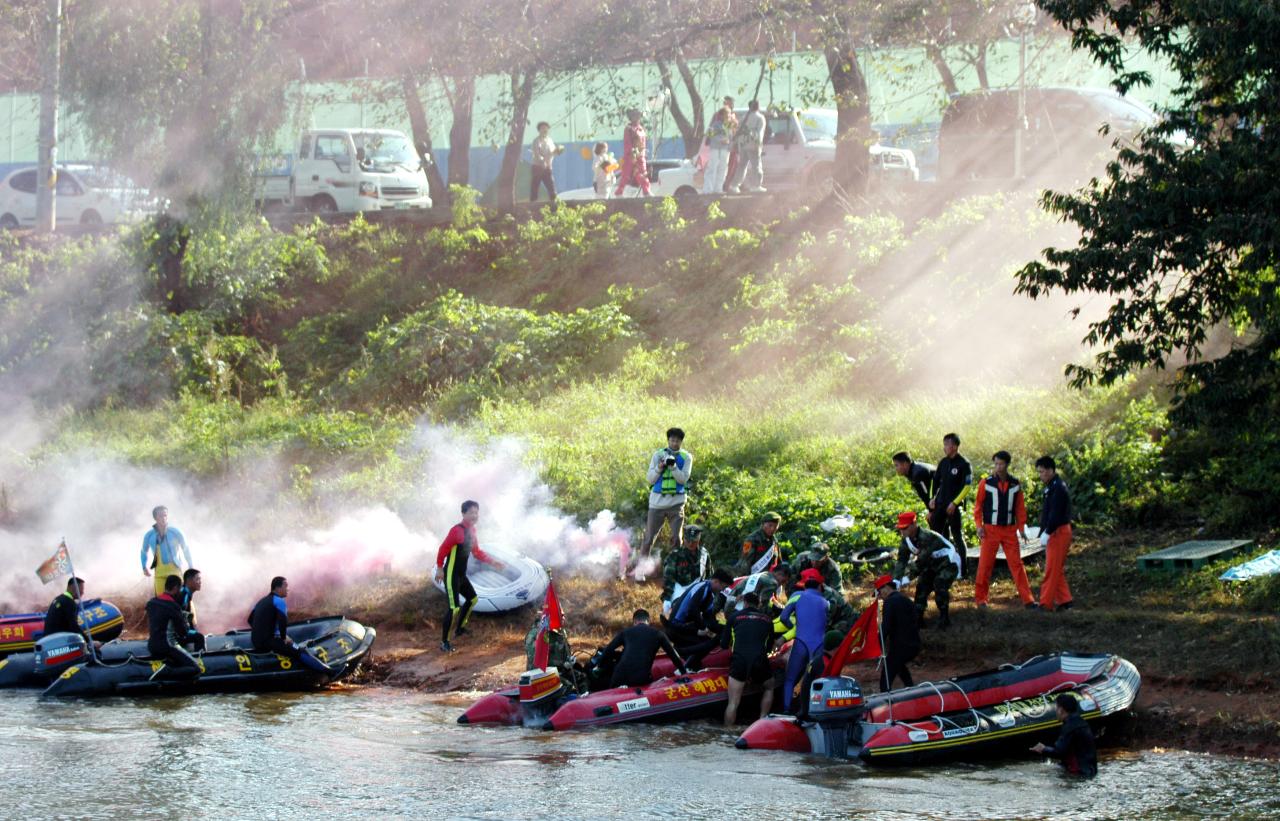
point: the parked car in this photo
(76, 202)
(1062, 141)
(131, 197)
(346, 170)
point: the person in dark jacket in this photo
(269, 628)
(186, 600)
(640, 644)
(918, 474)
(1074, 749)
(748, 634)
(693, 626)
(64, 611)
(951, 482)
(167, 626)
(1055, 535)
(899, 632)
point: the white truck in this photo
(344, 170)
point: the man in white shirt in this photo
(750, 142)
(544, 151)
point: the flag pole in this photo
(71, 566)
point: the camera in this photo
(671, 461)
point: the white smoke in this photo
(241, 533)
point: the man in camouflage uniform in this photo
(682, 566)
(818, 556)
(571, 679)
(758, 545)
(936, 562)
(770, 586)
(840, 616)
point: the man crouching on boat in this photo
(640, 644)
(269, 628)
(168, 629)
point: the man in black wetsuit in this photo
(269, 628)
(900, 631)
(640, 644)
(918, 474)
(1075, 748)
(64, 611)
(167, 626)
(951, 482)
(190, 586)
(748, 634)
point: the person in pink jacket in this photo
(635, 169)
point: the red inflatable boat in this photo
(539, 700)
(959, 717)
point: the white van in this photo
(346, 170)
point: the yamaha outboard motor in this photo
(540, 693)
(58, 651)
(836, 705)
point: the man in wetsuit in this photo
(186, 601)
(640, 644)
(64, 612)
(1075, 748)
(952, 480)
(269, 628)
(459, 545)
(918, 474)
(167, 626)
(899, 631)
(693, 626)
(808, 614)
(160, 549)
(748, 634)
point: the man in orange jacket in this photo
(1000, 511)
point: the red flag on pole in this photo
(552, 619)
(862, 642)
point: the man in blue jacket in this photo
(1055, 535)
(808, 614)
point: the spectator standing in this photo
(635, 165)
(544, 151)
(669, 470)
(720, 133)
(750, 143)
(604, 170)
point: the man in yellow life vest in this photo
(160, 548)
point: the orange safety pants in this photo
(1054, 591)
(995, 537)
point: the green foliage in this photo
(459, 350)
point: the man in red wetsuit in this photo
(451, 567)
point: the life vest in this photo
(666, 484)
(997, 507)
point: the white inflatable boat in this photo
(521, 581)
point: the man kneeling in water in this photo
(269, 628)
(168, 629)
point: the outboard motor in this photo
(539, 695)
(836, 705)
(58, 651)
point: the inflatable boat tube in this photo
(965, 717)
(522, 581)
(229, 664)
(18, 633)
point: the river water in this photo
(380, 753)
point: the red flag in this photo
(552, 619)
(555, 618)
(862, 642)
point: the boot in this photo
(920, 621)
(944, 620)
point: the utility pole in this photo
(47, 174)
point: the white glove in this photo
(1044, 539)
(903, 582)
(666, 608)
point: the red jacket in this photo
(456, 536)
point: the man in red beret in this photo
(899, 631)
(936, 563)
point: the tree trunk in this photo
(422, 138)
(980, 65)
(692, 128)
(461, 101)
(939, 60)
(853, 115)
(521, 96)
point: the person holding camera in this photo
(669, 470)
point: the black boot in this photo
(944, 620)
(920, 622)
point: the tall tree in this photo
(1185, 241)
(692, 125)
